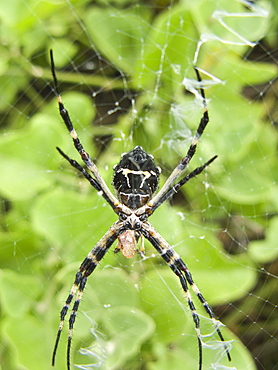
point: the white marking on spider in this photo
(73, 134)
(146, 174)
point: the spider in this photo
(135, 182)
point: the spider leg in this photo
(174, 189)
(76, 165)
(87, 176)
(78, 146)
(207, 307)
(86, 268)
(177, 265)
(190, 153)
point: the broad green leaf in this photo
(265, 251)
(18, 292)
(119, 35)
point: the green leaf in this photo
(265, 251)
(27, 349)
(168, 50)
(25, 174)
(163, 300)
(119, 35)
(72, 222)
(129, 327)
(18, 292)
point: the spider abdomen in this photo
(136, 178)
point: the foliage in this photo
(51, 218)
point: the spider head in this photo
(136, 178)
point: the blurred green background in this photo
(124, 70)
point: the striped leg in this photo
(207, 307)
(78, 146)
(87, 267)
(175, 188)
(190, 153)
(88, 177)
(180, 269)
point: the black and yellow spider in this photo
(135, 181)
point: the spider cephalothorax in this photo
(135, 181)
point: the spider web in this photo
(125, 70)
